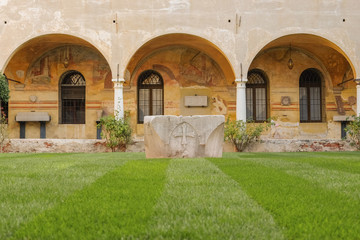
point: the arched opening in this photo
(72, 98)
(150, 94)
(310, 99)
(256, 96)
(179, 39)
(189, 66)
(307, 96)
(48, 75)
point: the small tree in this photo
(117, 133)
(353, 131)
(4, 98)
(241, 133)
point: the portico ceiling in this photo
(36, 47)
(322, 49)
(178, 39)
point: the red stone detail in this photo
(48, 145)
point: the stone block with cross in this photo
(184, 136)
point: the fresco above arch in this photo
(198, 68)
(46, 70)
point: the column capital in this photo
(239, 80)
(118, 80)
(241, 83)
(357, 81)
(118, 83)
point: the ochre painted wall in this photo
(40, 92)
(185, 72)
(285, 82)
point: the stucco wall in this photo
(119, 28)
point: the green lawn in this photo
(125, 196)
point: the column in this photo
(241, 99)
(118, 98)
(357, 97)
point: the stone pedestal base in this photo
(180, 137)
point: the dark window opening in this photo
(256, 96)
(150, 95)
(310, 96)
(72, 98)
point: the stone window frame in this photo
(311, 78)
(72, 80)
(145, 81)
(254, 85)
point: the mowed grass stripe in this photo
(339, 161)
(304, 209)
(318, 168)
(201, 202)
(32, 183)
(342, 182)
(117, 205)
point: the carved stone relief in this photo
(182, 140)
(190, 136)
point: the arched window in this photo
(310, 96)
(256, 88)
(72, 95)
(150, 95)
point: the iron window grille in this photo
(310, 96)
(150, 94)
(72, 96)
(256, 96)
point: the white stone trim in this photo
(241, 99)
(118, 98)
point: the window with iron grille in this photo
(150, 95)
(72, 95)
(310, 96)
(256, 91)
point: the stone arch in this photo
(284, 39)
(190, 66)
(57, 40)
(33, 49)
(37, 65)
(308, 51)
(178, 39)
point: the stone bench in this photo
(42, 117)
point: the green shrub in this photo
(4, 98)
(353, 131)
(3, 131)
(117, 133)
(242, 133)
(4, 89)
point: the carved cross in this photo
(184, 134)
